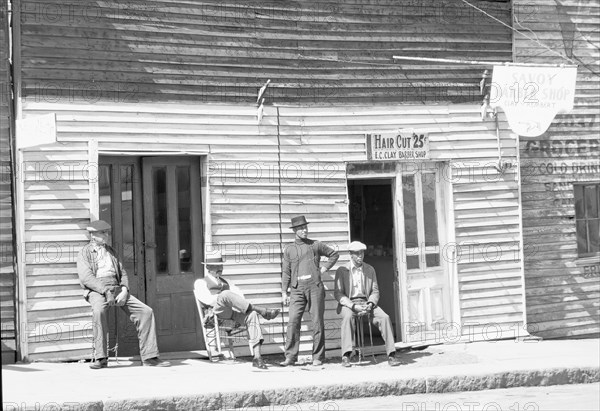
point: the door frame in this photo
(445, 216)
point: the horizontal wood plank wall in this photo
(335, 52)
(563, 291)
(262, 175)
(7, 249)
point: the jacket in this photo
(87, 266)
(303, 257)
(343, 285)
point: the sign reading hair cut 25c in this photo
(405, 144)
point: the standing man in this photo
(228, 303)
(303, 288)
(357, 292)
(105, 282)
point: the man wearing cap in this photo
(357, 293)
(302, 287)
(228, 303)
(105, 282)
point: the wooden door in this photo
(173, 248)
(425, 290)
(120, 188)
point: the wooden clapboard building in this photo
(158, 130)
(7, 243)
(561, 175)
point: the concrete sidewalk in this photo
(201, 385)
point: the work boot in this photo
(346, 361)
(288, 362)
(393, 361)
(155, 362)
(99, 363)
(259, 363)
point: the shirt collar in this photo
(354, 267)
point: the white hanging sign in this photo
(36, 130)
(531, 96)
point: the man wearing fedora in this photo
(303, 288)
(357, 292)
(228, 303)
(106, 284)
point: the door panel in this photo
(173, 244)
(424, 274)
(120, 205)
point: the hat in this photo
(215, 258)
(356, 246)
(98, 225)
(298, 221)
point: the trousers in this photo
(380, 319)
(140, 314)
(311, 296)
(232, 306)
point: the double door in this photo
(154, 207)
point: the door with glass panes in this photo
(425, 291)
(154, 207)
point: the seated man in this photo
(228, 303)
(105, 282)
(357, 292)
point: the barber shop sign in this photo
(405, 144)
(532, 96)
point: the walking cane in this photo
(371, 337)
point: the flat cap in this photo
(98, 225)
(356, 246)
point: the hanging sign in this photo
(405, 144)
(531, 96)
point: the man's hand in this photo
(370, 307)
(323, 270)
(122, 297)
(285, 298)
(110, 297)
(359, 308)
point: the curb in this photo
(324, 393)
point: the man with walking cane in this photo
(357, 293)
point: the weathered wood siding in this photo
(223, 51)
(7, 246)
(260, 176)
(563, 291)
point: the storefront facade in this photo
(176, 153)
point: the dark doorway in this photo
(372, 222)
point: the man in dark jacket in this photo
(357, 293)
(105, 282)
(302, 287)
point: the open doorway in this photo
(372, 222)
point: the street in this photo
(578, 397)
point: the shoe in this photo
(346, 361)
(288, 362)
(259, 363)
(394, 362)
(270, 314)
(317, 363)
(155, 362)
(99, 363)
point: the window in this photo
(587, 203)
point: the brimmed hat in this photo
(215, 258)
(98, 225)
(298, 221)
(356, 246)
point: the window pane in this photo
(410, 212)
(591, 201)
(579, 205)
(126, 172)
(183, 215)
(581, 237)
(412, 262)
(429, 209)
(104, 179)
(594, 231)
(432, 260)
(159, 179)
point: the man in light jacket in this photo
(357, 293)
